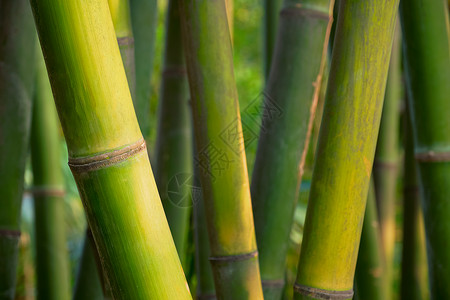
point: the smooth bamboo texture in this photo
(173, 151)
(221, 154)
(17, 61)
(427, 64)
(270, 26)
(291, 96)
(346, 149)
(414, 279)
(370, 273)
(52, 261)
(385, 168)
(107, 154)
(144, 14)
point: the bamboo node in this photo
(126, 40)
(294, 11)
(275, 283)
(174, 71)
(10, 233)
(233, 258)
(103, 160)
(322, 294)
(206, 297)
(47, 191)
(431, 156)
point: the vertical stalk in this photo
(271, 15)
(346, 149)
(52, 262)
(221, 154)
(144, 14)
(17, 60)
(385, 168)
(173, 171)
(427, 63)
(290, 102)
(414, 265)
(107, 153)
(371, 280)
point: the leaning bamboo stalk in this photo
(52, 262)
(17, 61)
(370, 273)
(271, 15)
(291, 96)
(221, 154)
(173, 151)
(426, 48)
(107, 153)
(414, 265)
(346, 149)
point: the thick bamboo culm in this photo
(144, 14)
(346, 149)
(426, 49)
(370, 273)
(385, 167)
(414, 273)
(17, 64)
(291, 96)
(271, 15)
(221, 153)
(52, 259)
(173, 151)
(108, 157)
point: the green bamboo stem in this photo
(221, 155)
(88, 284)
(385, 169)
(107, 154)
(290, 102)
(414, 265)
(427, 64)
(271, 15)
(173, 170)
(346, 149)
(144, 14)
(370, 274)
(17, 60)
(52, 262)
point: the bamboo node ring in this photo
(9, 233)
(232, 258)
(431, 156)
(273, 283)
(304, 12)
(322, 294)
(126, 40)
(47, 191)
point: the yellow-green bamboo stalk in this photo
(17, 61)
(221, 155)
(346, 149)
(107, 153)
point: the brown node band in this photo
(385, 164)
(232, 258)
(91, 163)
(47, 191)
(174, 72)
(431, 156)
(322, 294)
(276, 283)
(10, 233)
(126, 40)
(304, 12)
(206, 297)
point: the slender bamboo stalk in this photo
(290, 102)
(17, 60)
(346, 149)
(271, 15)
(107, 154)
(371, 280)
(414, 265)
(426, 47)
(144, 14)
(385, 168)
(221, 154)
(173, 171)
(230, 16)
(52, 262)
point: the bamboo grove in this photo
(224, 149)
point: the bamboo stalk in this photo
(144, 14)
(173, 170)
(371, 280)
(427, 63)
(221, 154)
(17, 61)
(346, 149)
(107, 154)
(271, 15)
(290, 102)
(385, 169)
(414, 265)
(52, 262)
